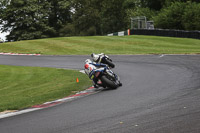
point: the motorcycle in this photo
(108, 78)
(102, 58)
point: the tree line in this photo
(34, 19)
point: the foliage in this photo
(153, 4)
(141, 12)
(67, 30)
(53, 18)
(3, 5)
(179, 15)
(170, 18)
(191, 16)
(113, 16)
(130, 4)
(59, 13)
(86, 15)
(100, 16)
(33, 19)
(27, 20)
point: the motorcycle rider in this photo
(91, 68)
(102, 58)
(96, 57)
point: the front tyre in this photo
(108, 83)
(109, 63)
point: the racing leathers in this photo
(97, 57)
(91, 68)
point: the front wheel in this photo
(108, 82)
(109, 63)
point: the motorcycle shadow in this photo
(105, 89)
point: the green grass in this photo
(22, 87)
(109, 45)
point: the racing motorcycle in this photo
(108, 78)
(102, 58)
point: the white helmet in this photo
(88, 61)
(94, 57)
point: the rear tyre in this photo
(108, 83)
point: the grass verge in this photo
(23, 87)
(106, 44)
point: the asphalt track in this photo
(160, 94)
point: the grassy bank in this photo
(109, 45)
(22, 87)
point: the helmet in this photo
(94, 57)
(88, 61)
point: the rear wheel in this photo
(108, 83)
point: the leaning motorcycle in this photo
(108, 78)
(104, 59)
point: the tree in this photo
(191, 16)
(141, 12)
(159, 4)
(35, 19)
(3, 5)
(152, 4)
(169, 2)
(86, 17)
(179, 15)
(27, 20)
(130, 4)
(59, 13)
(98, 17)
(113, 16)
(51, 18)
(171, 17)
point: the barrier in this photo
(166, 32)
(159, 32)
(121, 33)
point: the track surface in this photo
(160, 94)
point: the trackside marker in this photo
(77, 80)
(129, 32)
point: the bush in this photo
(91, 31)
(67, 30)
(170, 17)
(179, 15)
(141, 12)
(191, 16)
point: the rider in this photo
(91, 68)
(102, 58)
(96, 57)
